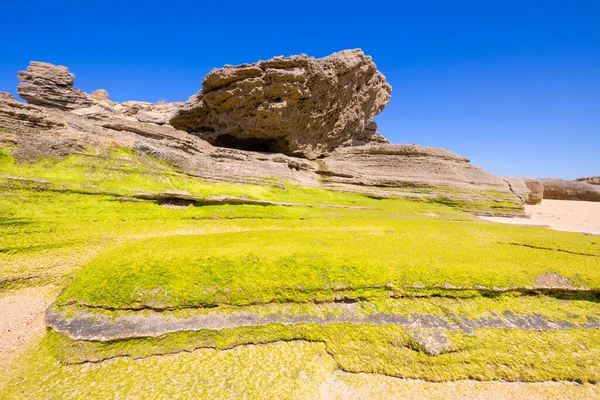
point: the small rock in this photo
(430, 341)
(99, 95)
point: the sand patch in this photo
(563, 215)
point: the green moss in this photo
(353, 257)
(487, 354)
(6, 157)
(283, 370)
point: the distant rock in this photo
(99, 95)
(51, 86)
(561, 189)
(537, 190)
(592, 180)
(159, 114)
(296, 105)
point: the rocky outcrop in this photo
(51, 86)
(370, 166)
(536, 188)
(6, 96)
(296, 105)
(159, 114)
(592, 180)
(561, 189)
(99, 95)
(405, 165)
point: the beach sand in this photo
(564, 215)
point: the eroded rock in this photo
(296, 105)
(561, 189)
(430, 341)
(592, 180)
(51, 86)
(537, 190)
(405, 165)
(99, 95)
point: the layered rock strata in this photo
(561, 189)
(405, 165)
(296, 105)
(50, 85)
(592, 180)
(325, 103)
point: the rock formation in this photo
(296, 105)
(51, 86)
(537, 190)
(346, 84)
(561, 189)
(405, 165)
(592, 180)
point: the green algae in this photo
(362, 260)
(485, 354)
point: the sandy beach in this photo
(564, 215)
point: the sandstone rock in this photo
(296, 105)
(430, 341)
(537, 190)
(518, 187)
(131, 108)
(95, 111)
(35, 131)
(561, 189)
(152, 117)
(99, 95)
(405, 165)
(51, 86)
(592, 180)
(6, 96)
(159, 114)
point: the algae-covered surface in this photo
(79, 225)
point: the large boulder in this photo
(50, 85)
(561, 189)
(296, 105)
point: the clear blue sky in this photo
(514, 85)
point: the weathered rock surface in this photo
(6, 96)
(536, 190)
(592, 180)
(518, 187)
(405, 165)
(42, 132)
(561, 189)
(51, 86)
(295, 105)
(371, 166)
(99, 95)
(426, 330)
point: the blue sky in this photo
(513, 85)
